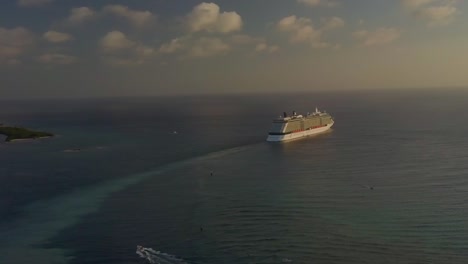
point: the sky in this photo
(78, 48)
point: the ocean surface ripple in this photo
(386, 185)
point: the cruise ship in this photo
(287, 128)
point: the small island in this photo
(16, 133)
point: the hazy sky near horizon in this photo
(65, 48)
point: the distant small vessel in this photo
(287, 128)
(72, 150)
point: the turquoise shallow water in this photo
(386, 185)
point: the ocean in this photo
(193, 178)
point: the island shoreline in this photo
(21, 134)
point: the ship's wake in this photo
(157, 257)
(42, 220)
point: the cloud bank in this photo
(57, 37)
(434, 12)
(377, 37)
(207, 17)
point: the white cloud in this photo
(33, 3)
(333, 23)
(207, 17)
(301, 30)
(360, 34)
(173, 46)
(314, 3)
(115, 41)
(416, 3)
(273, 48)
(57, 37)
(81, 14)
(56, 58)
(137, 18)
(118, 61)
(137, 55)
(144, 51)
(190, 46)
(259, 44)
(435, 12)
(380, 36)
(14, 42)
(244, 39)
(122, 51)
(439, 15)
(193, 46)
(208, 47)
(263, 47)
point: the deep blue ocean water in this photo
(388, 184)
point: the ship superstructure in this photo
(296, 126)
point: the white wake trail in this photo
(22, 241)
(157, 257)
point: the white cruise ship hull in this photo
(298, 135)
